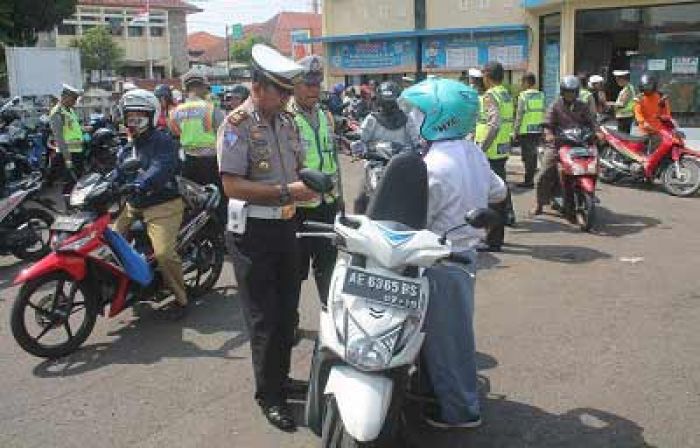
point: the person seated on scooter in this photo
(459, 180)
(650, 108)
(154, 197)
(567, 112)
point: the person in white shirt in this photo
(459, 180)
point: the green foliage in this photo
(98, 50)
(240, 50)
(20, 20)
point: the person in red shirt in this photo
(650, 108)
(165, 96)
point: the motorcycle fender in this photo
(586, 184)
(73, 265)
(363, 400)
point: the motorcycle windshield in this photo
(135, 265)
(402, 194)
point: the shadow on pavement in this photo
(549, 252)
(509, 424)
(8, 273)
(148, 339)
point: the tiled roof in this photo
(161, 4)
(278, 30)
(213, 47)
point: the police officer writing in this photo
(260, 154)
(316, 130)
(494, 138)
(624, 106)
(67, 132)
(195, 122)
(528, 126)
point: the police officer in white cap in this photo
(260, 154)
(67, 132)
(624, 106)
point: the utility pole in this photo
(149, 48)
(316, 6)
(228, 55)
(419, 16)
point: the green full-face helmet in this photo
(444, 109)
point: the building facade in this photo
(152, 40)
(390, 38)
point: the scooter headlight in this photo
(366, 352)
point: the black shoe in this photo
(175, 312)
(489, 248)
(280, 417)
(528, 185)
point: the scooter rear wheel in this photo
(49, 307)
(39, 221)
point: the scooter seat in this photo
(396, 226)
(628, 137)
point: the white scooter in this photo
(371, 330)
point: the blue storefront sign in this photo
(373, 56)
(459, 52)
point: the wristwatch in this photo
(285, 195)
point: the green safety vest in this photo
(500, 148)
(584, 95)
(320, 148)
(481, 128)
(533, 115)
(72, 132)
(627, 111)
(195, 120)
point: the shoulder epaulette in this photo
(237, 117)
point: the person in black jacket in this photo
(154, 195)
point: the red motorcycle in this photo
(676, 165)
(578, 171)
(93, 267)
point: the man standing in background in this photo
(527, 128)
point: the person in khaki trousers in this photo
(153, 192)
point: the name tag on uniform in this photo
(237, 216)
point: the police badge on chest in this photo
(260, 150)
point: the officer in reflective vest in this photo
(496, 143)
(527, 128)
(316, 131)
(586, 95)
(476, 80)
(624, 106)
(195, 122)
(68, 134)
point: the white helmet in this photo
(141, 100)
(595, 79)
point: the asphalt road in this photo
(584, 340)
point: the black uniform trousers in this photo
(496, 234)
(625, 124)
(528, 153)
(205, 170)
(265, 261)
(320, 252)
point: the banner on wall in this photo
(464, 51)
(300, 50)
(369, 57)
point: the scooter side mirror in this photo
(482, 217)
(130, 165)
(316, 180)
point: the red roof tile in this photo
(213, 47)
(278, 30)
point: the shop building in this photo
(384, 39)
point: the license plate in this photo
(384, 290)
(67, 224)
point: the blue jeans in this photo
(449, 350)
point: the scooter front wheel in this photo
(334, 434)
(52, 316)
(585, 210)
(682, 180)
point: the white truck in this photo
(40, 71)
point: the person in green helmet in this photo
(459, 180)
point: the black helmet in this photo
(570, 83)
(388, 92)
(163, 91)
(648, 83)
(104, 138)
(240, 91)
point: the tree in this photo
(20, 20)
(98, 50)
(240, 50)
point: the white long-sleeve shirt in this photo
(459, 180)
